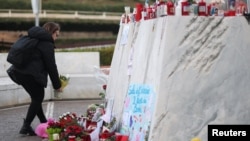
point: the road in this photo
(12, 118)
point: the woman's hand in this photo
(60, 89)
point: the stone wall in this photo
(196, 70)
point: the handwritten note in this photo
(138, 109)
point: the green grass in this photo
(80, 42)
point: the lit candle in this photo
(56, 137)
(72, 138)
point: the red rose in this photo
(104, 87)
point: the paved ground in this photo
(11, 119)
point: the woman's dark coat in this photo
(43, 59)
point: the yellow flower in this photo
(64, 81)
(196, 139)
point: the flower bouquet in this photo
(111, 126)
(72, 129)
(103, 95)
(108, 130)
(74, 132)
(91, 110)
(54, 130)
(64, 81)
(68, 118)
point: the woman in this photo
(33, 76)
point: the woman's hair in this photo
(51, 27)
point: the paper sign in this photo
(124, 36)
(107, 116)
(138, 109)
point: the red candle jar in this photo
(184, 8)
(139, 8)
(170, 8)
(150, 14)
(121, 138)
(209, 10)
(72, 138)
(240, 8)
(202, 8)
(231, 13)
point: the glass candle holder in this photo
(72, 138)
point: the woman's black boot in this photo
(27, 129)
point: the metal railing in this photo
(13, 13)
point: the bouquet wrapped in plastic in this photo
(64, 80)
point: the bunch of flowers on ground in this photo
(72, 128)
(67, 127)
(54, 130)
